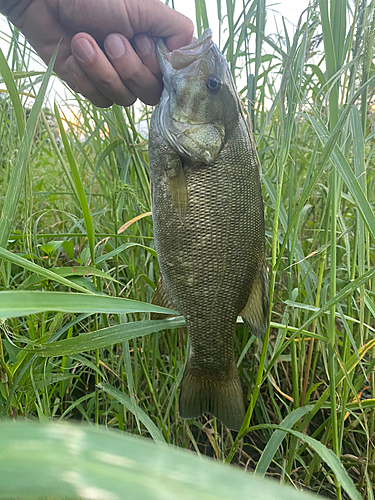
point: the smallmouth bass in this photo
(208, 218)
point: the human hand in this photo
(107, 50)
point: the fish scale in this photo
(208, 223)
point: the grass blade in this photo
(349, 178)
(13, 94)
(325, 454)
(106, 337)
(79, 187)
(22, 303)
(17, 179)
(40, 271)
(277, 438)
(130, 405)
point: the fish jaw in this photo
(184, 56)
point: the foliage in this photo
(75, 194)
(72, 461)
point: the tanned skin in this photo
(107, 48)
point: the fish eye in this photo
(213, 83)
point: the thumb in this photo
(164, 22)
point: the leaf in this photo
(344, 292)
(22, 303)
(130, 405)
(106, 337)
(8, 79)
(79, 186)
(46, 273)
(48, 249)
(348, 177)
(64, 272)
(18, 175)
(68, 246)
(88, 363)
(44, 380)
(350, 365)
(325, 454)
(277, 438)
(121, 248)
(70, 461)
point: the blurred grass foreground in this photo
(78, 269)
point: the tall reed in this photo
(75, 215)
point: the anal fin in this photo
(255, 313)
(161, 298)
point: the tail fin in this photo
(222, 398)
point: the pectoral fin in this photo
(255, 313)
(161, 298)
(177, 183)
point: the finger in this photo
(162, 21)
(68, 78)
(100, 72)
(136, 76)
(82, 84)
(145, 47)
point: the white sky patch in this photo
(275, 10)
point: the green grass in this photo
(64, 195)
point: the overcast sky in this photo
(290, 9)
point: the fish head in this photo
(199, 98)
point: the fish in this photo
(208, 220)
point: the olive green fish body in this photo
(209, 229)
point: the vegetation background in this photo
(75, 201)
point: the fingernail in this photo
(114, 46)
(84, 49)
(143, 44)
(75, 68)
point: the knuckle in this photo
(189, 27)
(134, 73)
(105, 80)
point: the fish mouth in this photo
(183, 63)
(182, 58)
